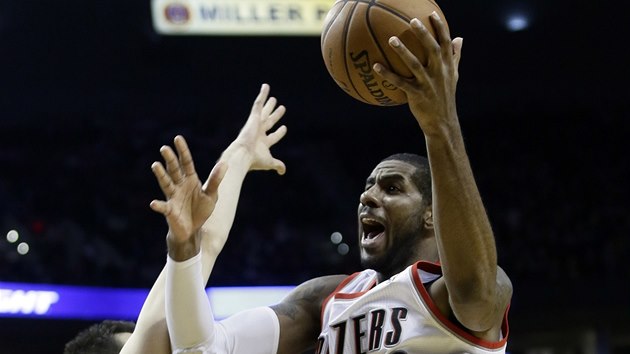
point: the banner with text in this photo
(240, 17)
(84, 302)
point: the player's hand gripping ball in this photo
(355, 35)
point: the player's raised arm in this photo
(190, 321)
(187, 206)
(478, 290)
(249, 151)
(289, 326)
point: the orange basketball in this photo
(355, 36)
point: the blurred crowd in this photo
(559, 212)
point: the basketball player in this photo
(431, 283)
(249, 151)
(106, 337)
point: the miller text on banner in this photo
(240, 17)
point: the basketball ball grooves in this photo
(332, 20)
(373, 34)
(356, 35)
(394, 12)
(345, 49)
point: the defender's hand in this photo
(253, 136)
(188, 203)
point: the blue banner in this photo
(93, 303)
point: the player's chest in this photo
(376, 322)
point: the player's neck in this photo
(424, 250)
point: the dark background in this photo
(89, 92)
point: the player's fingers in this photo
(457, 51)
(393, 78)
(277, 135)
(442, 33)
(185, 158)
(426, 39)
(172, 164)
(443, 37)
(411, 60)
(214, 179)
(164, 180)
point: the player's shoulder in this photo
(317, 289)
(311, 294)
(305, 300)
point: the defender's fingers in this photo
(261, 98)
(269, 106)
(185, 158)
(172, 164)
(164, 180)
(279, 167)
(160, 206)
(277, 135)
(275, 116)
(214, 179)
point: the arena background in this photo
(89, 92)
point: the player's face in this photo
(390, 218)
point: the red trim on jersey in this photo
(436, 269)
(337, 295)
(357, 294)
(337, 289)
(346, 296)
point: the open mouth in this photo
(371, 228)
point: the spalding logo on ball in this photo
(355, 35)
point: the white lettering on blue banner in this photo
(27, 302)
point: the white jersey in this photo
(396, 316)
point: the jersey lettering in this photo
(341, 336)
(322, 345)
(376, 329)
(393, 337)
(395, 316)
(358, 333)
(370, 327)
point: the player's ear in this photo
(428, 218)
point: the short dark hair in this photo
(99, 338)
(422, 177)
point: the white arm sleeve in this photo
(191, 325)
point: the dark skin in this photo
(395, 221)
(392, 199)
(474, 291)
(397, 224)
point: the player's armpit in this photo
(299, 313)
(485, 320)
